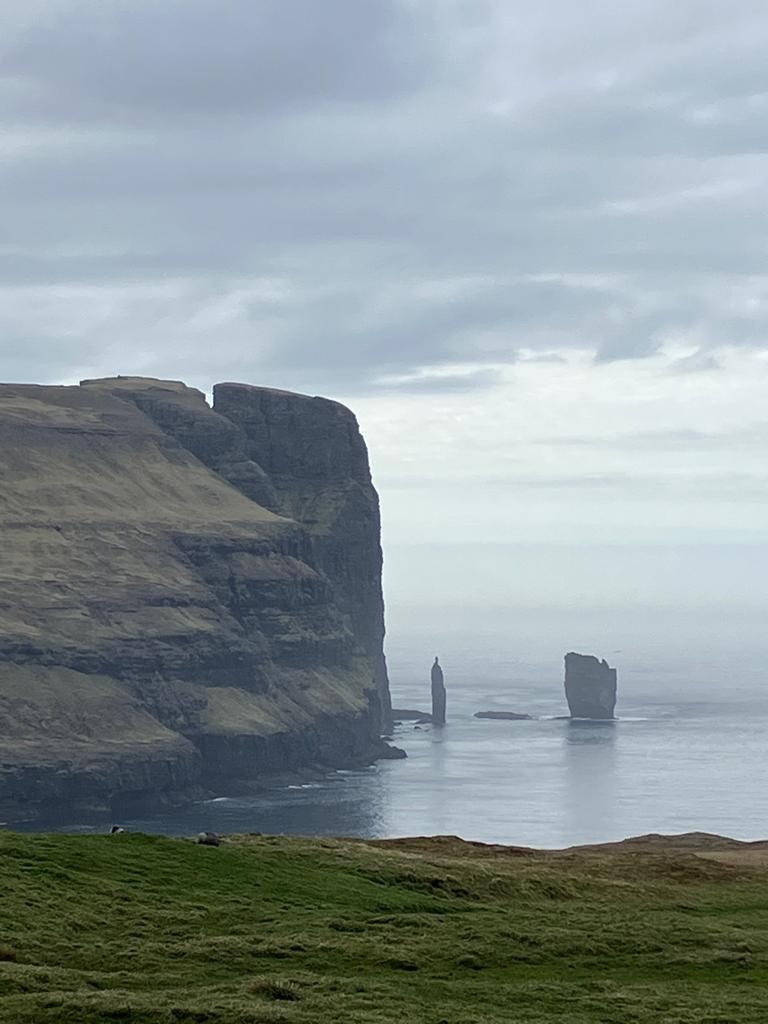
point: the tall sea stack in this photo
(190, 595)
(590, 686)
(438, 694)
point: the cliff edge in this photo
(189, 595)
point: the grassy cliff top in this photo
(149, 929)
(82, 457)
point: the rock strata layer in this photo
(590, 686)
(177, 610)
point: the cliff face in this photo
(590, 686)
(164, 623)
(316, 459)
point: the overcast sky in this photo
(527, 243)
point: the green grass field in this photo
(146, 929)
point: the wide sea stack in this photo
(188, 595)
(590, 686)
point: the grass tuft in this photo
(270, 988)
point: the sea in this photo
(688, 751)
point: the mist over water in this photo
(687, 751)
(684, 626)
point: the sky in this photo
(527, 244)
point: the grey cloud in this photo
(732, 488)
(593, 190)
(698, 362)
(751, 439)
(638, 337)
(119, 58)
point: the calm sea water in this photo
(688, 751)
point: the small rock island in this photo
(510, 716)
(590, 686)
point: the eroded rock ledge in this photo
(189, 595)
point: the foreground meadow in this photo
(271, 929)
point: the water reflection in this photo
(440, 812)
(544, 782)
(590, 769)
(351, 804)
(581, 731)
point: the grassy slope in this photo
(137, 928)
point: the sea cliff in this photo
(188, 595)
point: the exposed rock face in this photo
(165, 622)
(438, 694)
(315, 456)
(590, 686)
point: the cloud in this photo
(128, 59)
(619, 452)
(340, 196)
(460, 380)
(688, 441)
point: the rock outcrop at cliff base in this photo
(189, 594)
